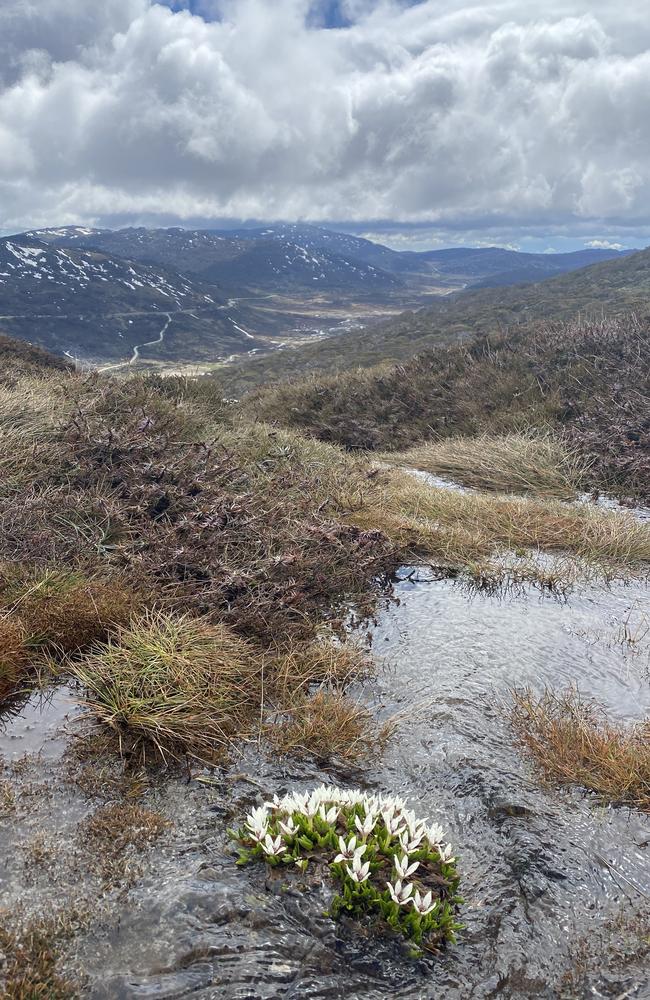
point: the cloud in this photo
(499, 115)
(604, 245)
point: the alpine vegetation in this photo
(389, 867)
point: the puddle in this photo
(542, 867)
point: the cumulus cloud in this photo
(603, 245)
(502, 114)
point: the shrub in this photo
(388, 866)
(574, 743)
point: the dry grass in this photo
(532, 462)
(327, 725)
(180, 684)
(31, 955)
(61, 611)
(114, 832)
(14, 657)
(462, 529)
(574, 743)
(318, 663)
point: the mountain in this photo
(490, 267)
(88, 304)
(298, 258)
(206, 296)
(612, 287)
(242, 262)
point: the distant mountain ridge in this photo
(98, 294)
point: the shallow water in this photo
(542, 867)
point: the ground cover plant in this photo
(574, 743)
(389, 868)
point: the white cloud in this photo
(506, 114)
(604, 245)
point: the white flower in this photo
(358, 872)
(367, 825)
(394, 824)
(410, 841)
(295, 803)
(271, 847)
(403, 869)
(289, 827)
(435, 835)
(257, 824)
(401, 894)
(423, 904)
(329, 815)
(350, 850)
(446, 854)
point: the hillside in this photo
(612, 287)
(92, 306)
(98, 294)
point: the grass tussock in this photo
(574, 743)
(464, 529)
(320, 663)
(14, 657)
(327, 725)
(179, 684)
(62, 611)
(31, 958)
(534, 463)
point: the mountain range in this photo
(207, 296)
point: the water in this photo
(542, 867)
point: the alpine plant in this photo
(387, 864)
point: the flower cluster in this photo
(388, 863)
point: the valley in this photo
(96, 294)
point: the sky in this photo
(426, 123)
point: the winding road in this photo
(136, 350)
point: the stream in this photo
(546, 871)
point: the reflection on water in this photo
(542, 867)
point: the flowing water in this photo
(543, 868)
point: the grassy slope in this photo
(613, 287)
(588, 380)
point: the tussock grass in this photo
(31, 956)
(61, 611)
(318, 663)
(462, 529)
(14, 657)
(574, 743)
(530, 462)
(178, 683)
(327, 725)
